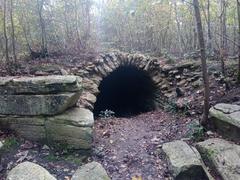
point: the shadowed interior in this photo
(126, 91)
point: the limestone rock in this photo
(31, 128)
(31, 105)
(40, 85)
(184, 161)
(89, 97)
(91, 171)
(79, 117)
(226, 119)
(74, 128)
(29, 171)
(222, 156)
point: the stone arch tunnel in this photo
(126, 91)
(129, 84)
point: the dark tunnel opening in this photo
(126, 91)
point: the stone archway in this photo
(164, 77)
(126, 91)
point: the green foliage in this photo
(171, 107)
(107, 114)
(195, 131)
(76, 159)
(9, 144)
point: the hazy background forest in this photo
(162, 27)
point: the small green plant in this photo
(176, 106)
(52, 157)
(66, 157)
(107, 114)
(10, 143)
(210, 153)
(196, 131)
(171, 106)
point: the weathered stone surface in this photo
(223, 156)
(39, 85)
(165, 75)
(184, 161)
(74, 128)
(89, 97)
(91, 171)
(226, 119)
(31, 128)
(1, 147)
(29, 171)
(78, 117)
(31, 105)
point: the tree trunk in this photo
(44, 50)
(13, 33)
(5, 33)
(204, 121)
(180, 38)
(223, 49)
(209, 27)
(238, 10)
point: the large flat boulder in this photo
(40, 84)
(222, 156)
(226, 119)
(29, 171)
(184, 161)
(91, 171)
(73, 128)
(32, 105)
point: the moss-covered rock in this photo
(40, 85)
(29, 171)
(223, 156)
(184, 161)
(32, 105)
(226, 119)
(73, 128)
(91, 171)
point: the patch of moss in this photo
(9, 144)
(209, 153)
(195, 131)
(77, 160)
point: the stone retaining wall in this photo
(44, 109)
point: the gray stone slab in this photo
(184, 161)
(223, 156)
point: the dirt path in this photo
(130, 147)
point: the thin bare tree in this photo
(204, 120)
(5, 32)
(13, 33)
(238, 12)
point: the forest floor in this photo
(126, 147)
(129, 148)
